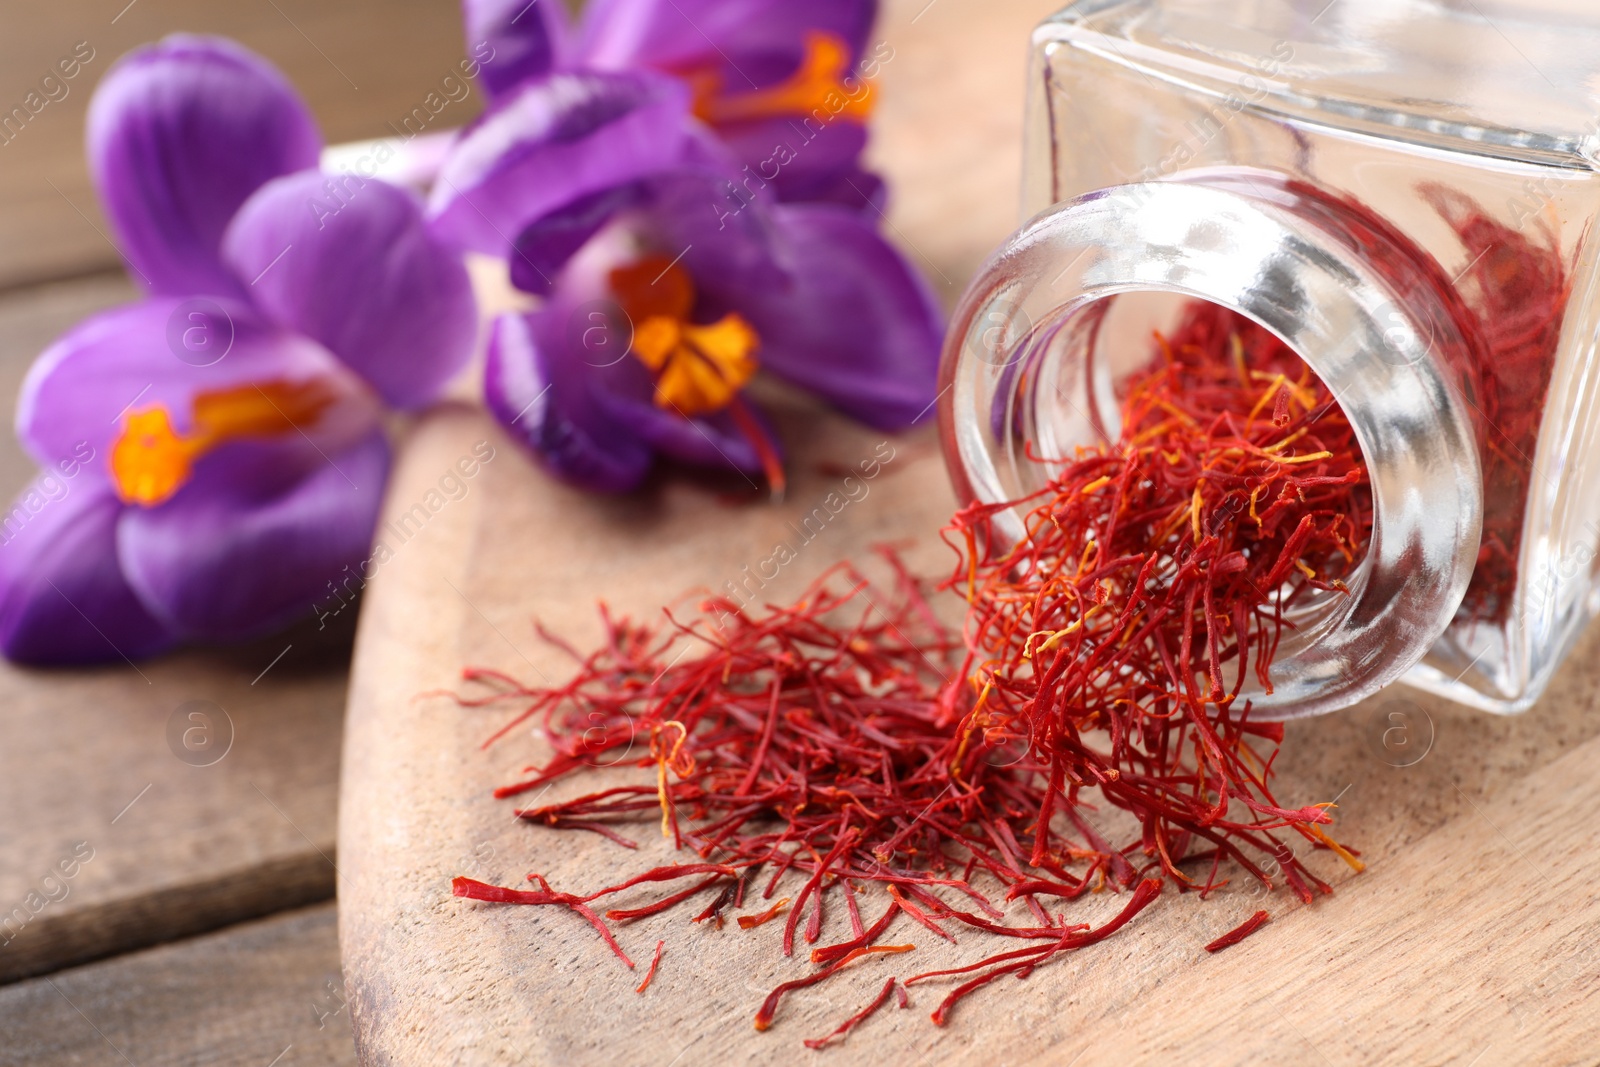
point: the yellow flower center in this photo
(150, 460)
(699, 368)
(817, 88)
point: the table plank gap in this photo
(257, 994)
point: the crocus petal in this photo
(858, 327)
(855, 188)
(719, 229)
(750, 41)
(805, 162)
(349, 262)
(712, 440)
(694, 212)
(157, 353)
(515, 41)
(180, 133)
(63, 598)
(545, 245)
(561, 138)
(238, 552)
(533, 390)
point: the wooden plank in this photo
(263, 993)
(461, 591)
(173, 849)
(1472, 916)
(362, 64)
(1474, 943)
(86, 767)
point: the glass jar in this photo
(1401, 190)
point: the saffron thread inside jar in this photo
(1517, 287)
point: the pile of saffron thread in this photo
(851, 750)
(1514, 291)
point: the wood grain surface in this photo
(259, 994)
(361, 64)
(1472, 932)
(87, 765)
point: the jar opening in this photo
(1037, 357)
(1080, 375)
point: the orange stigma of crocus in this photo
(699, 368)
(822, 88)
(151, 460)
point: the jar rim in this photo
(1386, 350)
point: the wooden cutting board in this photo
(1470, 935)
(1469, 939)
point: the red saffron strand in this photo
(665, 903)
(1142, 898)
(829, 953)
(476, 890)
(732, 894)
(750, 922)
(856, 1019)
(769, 1007)
(655, 961)
(1240, 932)
(853, 909)
(665, 874)
(1521, 286)
(917, 914)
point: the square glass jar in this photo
(1457, 138)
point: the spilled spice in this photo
(655, 963)
(1239, 933)
(750, 922)
(1235, 491)
(854, 747)
(889, 988)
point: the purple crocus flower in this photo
(212, 455)
(659, 311)
(779, 87)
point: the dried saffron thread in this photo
(1239, 933)
(769, 1007)
(732, 894)
(655, 961)
(475, 890)
(1104, 657)
(861, 940)
(1146, 569)
(856, 1019)
(1142, 897)
(1520, 287)
(664, 903)
(1508, 302)
(750, 922)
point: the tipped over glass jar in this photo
(1403, 191)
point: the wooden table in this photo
(1472, 936)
